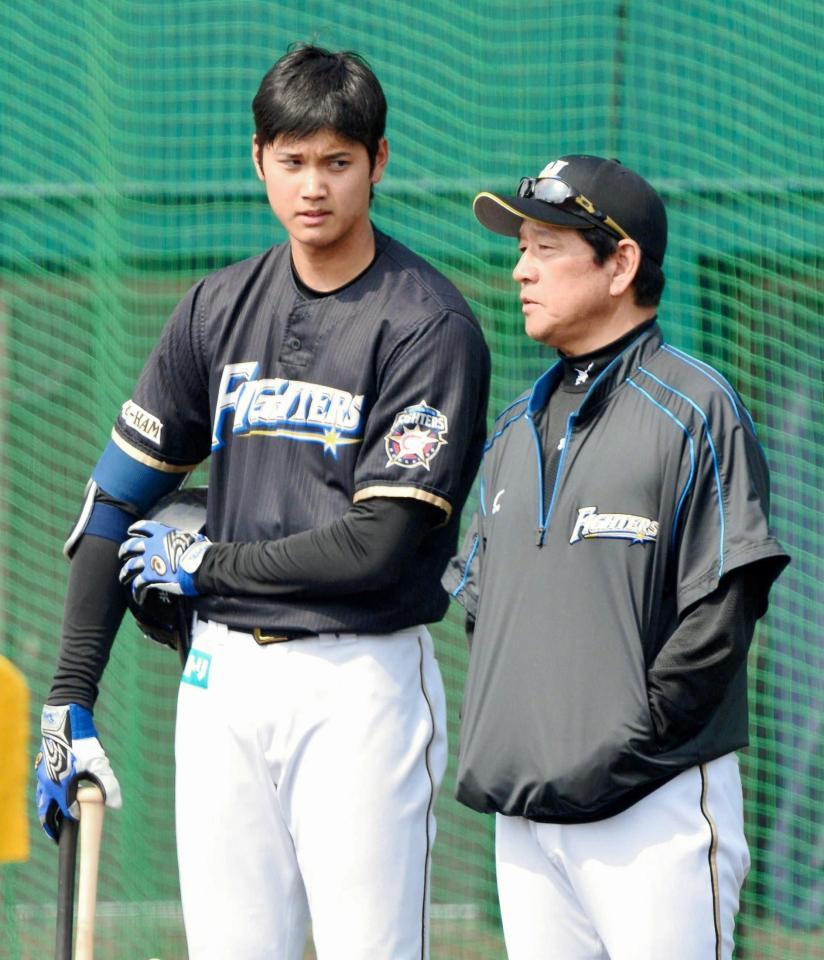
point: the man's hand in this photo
(69, 752)
(161, 558)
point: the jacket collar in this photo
(609, 379)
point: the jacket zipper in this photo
(543, 519)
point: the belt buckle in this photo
(264, 639)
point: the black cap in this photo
(613, 189)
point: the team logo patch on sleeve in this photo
(417, 434)
(590, 525)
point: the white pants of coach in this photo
(659, 881)
(306, 779)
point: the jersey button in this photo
(293, 343)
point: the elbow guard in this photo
(82, 521)
(99, 519)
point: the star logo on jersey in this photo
(417, 434)
(330, 442)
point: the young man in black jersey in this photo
(338, 385)
(611, 593)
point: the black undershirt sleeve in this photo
(366, 549)
(370, 546)
(94, 608)
(688, 678)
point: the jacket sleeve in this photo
(690, 675)
(724, 524)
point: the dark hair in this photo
(648, 284)
(311, 89)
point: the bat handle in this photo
(67, 857)
(92, 807)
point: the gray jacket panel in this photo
(661, 490)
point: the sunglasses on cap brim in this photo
(557, 192)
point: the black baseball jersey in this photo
(661, 489)
(306, 405)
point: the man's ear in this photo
(257, 157)
(381, 159)
(626, 261)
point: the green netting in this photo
(124, 138)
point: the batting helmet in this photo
(165, 617)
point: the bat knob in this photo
(89, 793)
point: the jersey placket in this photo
(299, 335)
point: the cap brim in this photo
(505, 215)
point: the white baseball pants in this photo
(660, 880)
(306, 778)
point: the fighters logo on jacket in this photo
(417, 434)
(590, 524)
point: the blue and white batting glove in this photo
(69, 752)
(161, 558)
